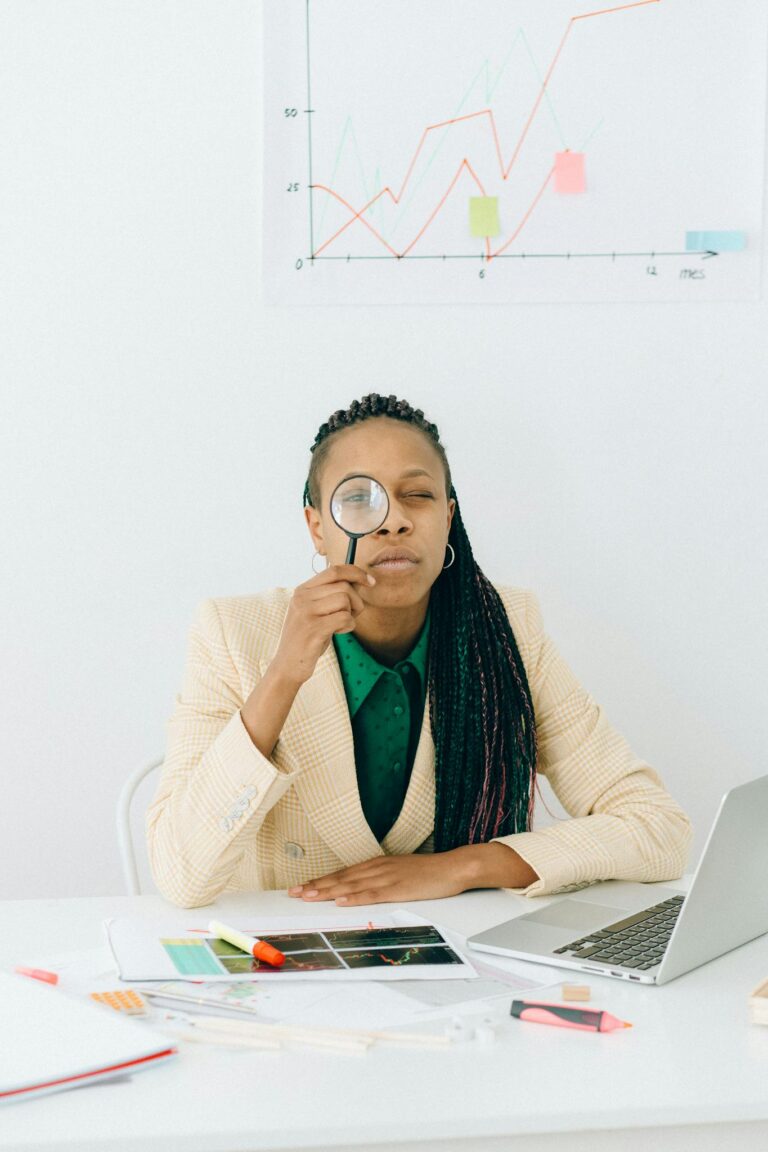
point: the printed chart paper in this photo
(394, 947)
(494, 151)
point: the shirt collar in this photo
(360, 671)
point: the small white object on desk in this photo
(485, 1034)
(459, 1030)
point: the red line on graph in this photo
(619, 8)
(395, 198)
(539, 99)
(464, 164)
(357, 214)
(524, 220)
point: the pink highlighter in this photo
(39, 974)
(585, 1019)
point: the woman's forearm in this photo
(266, 709)
(494, 865)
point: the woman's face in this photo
(408, 551)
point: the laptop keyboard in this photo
(638, 941)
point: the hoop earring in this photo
(453, 557)
(316, 570)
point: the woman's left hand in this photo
(392, 878)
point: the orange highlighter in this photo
(586, 1019)
(259, 949)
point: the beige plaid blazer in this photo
(226, 818)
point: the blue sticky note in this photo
(715, 241)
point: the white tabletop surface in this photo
(692, 1058)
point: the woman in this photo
(375, 734)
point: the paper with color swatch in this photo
(392, 947)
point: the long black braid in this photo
(481, 710)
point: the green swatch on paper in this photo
(192, 957)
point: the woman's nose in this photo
(396, 522)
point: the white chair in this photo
(125, 830)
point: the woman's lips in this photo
(402, 565)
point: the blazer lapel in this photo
(317, 738)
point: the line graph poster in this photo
(496, 151)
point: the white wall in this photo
(156, 419)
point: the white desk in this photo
(691, 1074)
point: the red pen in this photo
(586, 1019)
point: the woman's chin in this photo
(397, 594)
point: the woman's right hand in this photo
(328, 603)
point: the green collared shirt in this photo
(386, 707)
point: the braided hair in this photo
(481, 710)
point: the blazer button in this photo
(293, 851)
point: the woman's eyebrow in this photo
(403, 475)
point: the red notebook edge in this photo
(82, 1077)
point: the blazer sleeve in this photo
(625, 825)
(216, 788)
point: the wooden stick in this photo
(324, 1035)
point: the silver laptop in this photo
(653, 934)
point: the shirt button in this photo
(396, 766)
(398, 711)
(293, 851)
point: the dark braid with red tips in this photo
(481, 711)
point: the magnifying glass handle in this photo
(351, 550)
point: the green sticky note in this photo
(484, 216)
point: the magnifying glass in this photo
(359, 505)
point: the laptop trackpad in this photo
(576, 914)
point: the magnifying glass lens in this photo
(359, 505)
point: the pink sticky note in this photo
(569, 172)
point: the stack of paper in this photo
(758, 1004)
(51, 1042)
